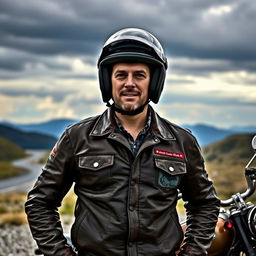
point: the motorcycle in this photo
(235, 231)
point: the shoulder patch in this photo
(54, 150)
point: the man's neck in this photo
(133, 124)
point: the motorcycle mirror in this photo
(254, 142)
(254, 147)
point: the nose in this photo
(129, 83)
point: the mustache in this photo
(130, 91)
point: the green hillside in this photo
(225, 162)
(9, 152)
(27, 140)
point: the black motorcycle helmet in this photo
(133, 45)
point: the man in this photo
(128, 166)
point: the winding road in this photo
(24, 183)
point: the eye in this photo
(140, 76)
(120, 76)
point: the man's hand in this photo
(187, 250)
(69, 252)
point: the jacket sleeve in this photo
(45, 198)
(201, 203)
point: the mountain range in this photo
(205, 134)
(27, 140)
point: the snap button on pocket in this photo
(171, 169)
(95, 164)
(170, 166)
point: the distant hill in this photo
(234, 148)
(244, 129)
(10, 151)
(27, 140)
(205, 134)
(53, 127)
(226, 161)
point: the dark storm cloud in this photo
(49, 27)
(16, 61)
(193, 29)
(206, 99)
(21, 91)
(203, 66)
(94, 77)
(15, 64)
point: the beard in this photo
(129, 105)
(130, 109)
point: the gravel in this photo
(18, 241)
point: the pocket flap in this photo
(170, 166)
(95, 163)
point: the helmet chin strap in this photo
(129, 113)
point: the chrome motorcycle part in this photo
(251, 221)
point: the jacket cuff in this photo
(67, 252)
(187, 250)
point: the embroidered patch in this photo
(54, 151)
(162, 152)
(168, 181)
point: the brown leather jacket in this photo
(126, 205)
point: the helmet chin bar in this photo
(129, 113)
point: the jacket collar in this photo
(106, 125)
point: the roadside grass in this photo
(12, 210)
(68, 204)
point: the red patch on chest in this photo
(162, 152)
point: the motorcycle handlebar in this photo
(250, 174)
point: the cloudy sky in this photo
(49, 50)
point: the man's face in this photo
(130, 83)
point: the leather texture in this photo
(126, 205)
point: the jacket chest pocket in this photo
(169, 173)
(95, 171)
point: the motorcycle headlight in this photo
(251, 220)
